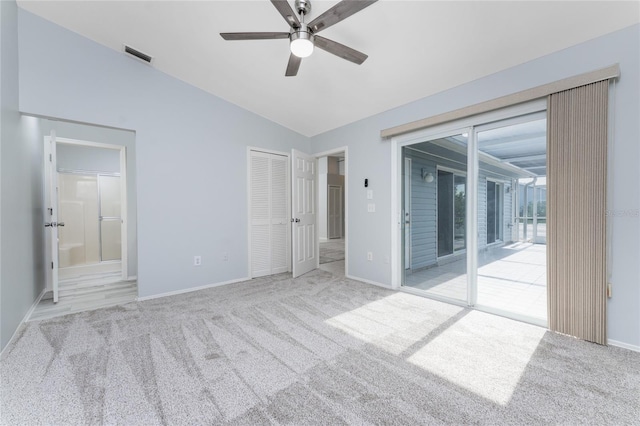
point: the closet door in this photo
(269, 198)
(260, 215)
(279, 214)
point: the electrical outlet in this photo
(371, 208)
(225, 256)
(369, 256)
(197, 260)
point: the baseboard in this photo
(623, 345)
(24, 320)
(351, 277)
(189, 290)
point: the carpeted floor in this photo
(320, 349)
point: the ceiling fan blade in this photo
(293, 66)
(253, 36)
(287, 13)
(340, 50)
(337, 13)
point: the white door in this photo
(280, 241)
(303, 208)
(51, 214)
(335, 211)
(269, 206)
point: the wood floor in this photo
(85, 294)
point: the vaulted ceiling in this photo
(415, 48)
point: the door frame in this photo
(123, 196)
(249, 241)
(341, 150)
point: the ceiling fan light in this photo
(301, 44)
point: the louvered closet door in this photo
(269, 196)
(279, 214)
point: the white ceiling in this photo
(415, 48)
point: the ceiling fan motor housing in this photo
(303, 7)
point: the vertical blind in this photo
(576, 184)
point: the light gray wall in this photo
(370, 158)
(21, 203)
(191, 150)
(85, 158)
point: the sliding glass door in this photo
(511, 274)
(463, 206)
(434, 201)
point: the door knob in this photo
(53, 224)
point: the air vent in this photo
(138, 54)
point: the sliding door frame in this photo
(470, 126)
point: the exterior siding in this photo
(424, 220)
(423, 214)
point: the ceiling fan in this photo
(303, 37)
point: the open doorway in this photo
(90, 204)
(90, 224)
(332, 178)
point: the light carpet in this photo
(320, 349)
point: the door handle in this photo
(296, 220)
(53, 224)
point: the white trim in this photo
(471, 231)
(190, 290)
(366, 281)
(25, 319)
(421, 293)
(623, 345)
(396, 215)
(511, 315)
(341, 150)
(124, 217)
(132, 278)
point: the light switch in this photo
(369, 194)
(371, 208)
